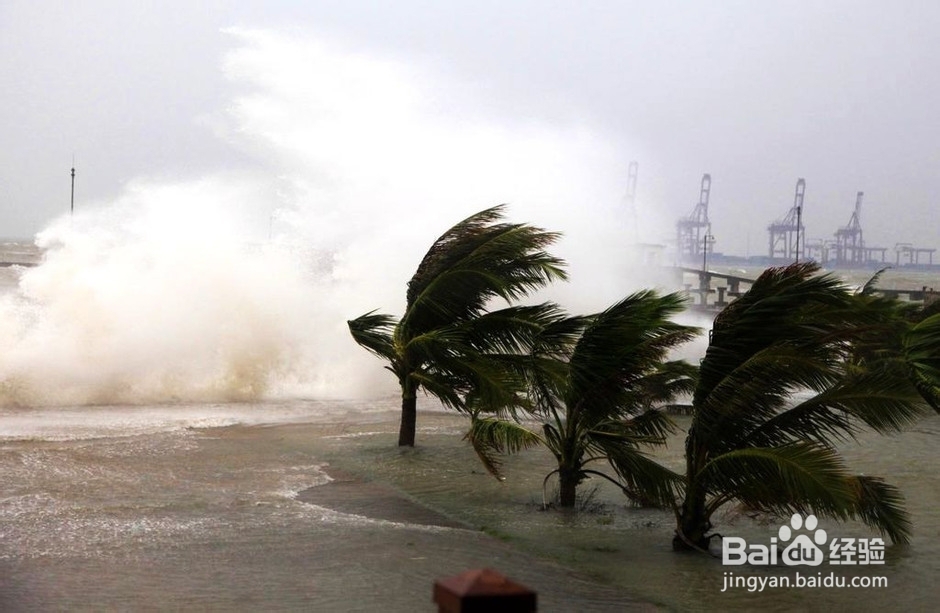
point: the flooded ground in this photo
(233, 507)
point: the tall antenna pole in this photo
(72, 208)
(798, 205)
(799, 222)
(705, 239)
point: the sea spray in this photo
(154, 298)
(238, 284)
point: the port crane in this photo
(691, 230)
(785, 233)
(850, 246)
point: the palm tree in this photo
(595, 382)
(907, 341)
(794, 366)
(448, 343)
(921, 351)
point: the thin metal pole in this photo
(799, 223)
(705, 253)
(72, 208)
(708, 236)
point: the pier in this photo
(711, 291)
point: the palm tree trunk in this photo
(568, 487)
(409, 418)
(694, 524)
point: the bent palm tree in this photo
(447, 342)
(907, 341)
(921, 351)
(794, 366)
(595, 381)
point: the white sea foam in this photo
(238, 285)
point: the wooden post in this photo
(482, 590)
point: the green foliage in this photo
(449, 343)
(920, 345)
(795, 366)
(594, 382)
(490, 437)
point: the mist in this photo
(841, 93)
(236, 285)
(250, 177)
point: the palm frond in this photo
(618, 349)
(491, 437)
(450, 390)
(921, 349)
(757, 390)
(455, 376)
(476, 260)
(548, 365)
(644, 480)
(374, 332)
(869, 288)
(511, 330)
(553, 440)
(881, 506)
(450, 247)
(668, 381)
(650, 428)
(793, 478)
(884, 401)
(653, 423)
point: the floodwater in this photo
(169, 508)
(224, 507)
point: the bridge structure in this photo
(711, 291)
(907, 255)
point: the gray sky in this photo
(757, 93)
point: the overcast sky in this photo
(757, 93)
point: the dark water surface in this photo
(304, 505)
(139, 511)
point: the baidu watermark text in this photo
(758, 583)
(789, 548)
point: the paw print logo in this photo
(803, 550)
